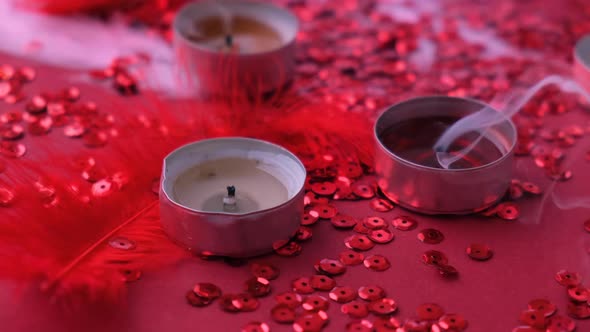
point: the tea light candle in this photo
(582, 61)
(227, 43)
(409, 173)
(231, 196)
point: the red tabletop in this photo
(528, 252)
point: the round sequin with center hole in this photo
(587, 225)
(430, 236)
(381, 236)
(290, 299)
(122, 243)
(343, 294)
(315, 303)
(542, 305)
(578, 293)
(560, 323)
(355, 309)
(12, 149)
(331, 267)
(343, 221)
(207, 290)
(195, 300)
(371, 293)
(324, 188)
(361, 228)
(324, 211)
(359, 326)
(418, 326)
(302, 285)
(452, 322)
(359, 242)
(479, 252)
(258, 287)
(283, 314)
(374, 223)
(303, 233)
(384, 306)
(256, 327)
(531, 188)
(245, 302)
(292, 248)
(534, 318)
(578, 311)
(404, 223)
(448, 271)
(386, 324)
(311, 322)
(377, 263)
(267, 271)
(308, 219)
(12, 132)
(351, 258)
(435, 258)
(429, 311)
(322, 283)
(566, 278)
(381, 205)
(363, 191)
(507, 211)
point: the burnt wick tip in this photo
(229, 40)
(231, 191)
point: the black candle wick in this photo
(231, 191)
(229, 40)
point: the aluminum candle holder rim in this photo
(582, 51)
(181, 149)
(179, 17)
(378, 137)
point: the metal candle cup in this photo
(432, 190)
(582, 62)
(217, 72)
(233, 234)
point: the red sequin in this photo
(315, 303)
(290, 299)
(308, 219)
(12, 149)
(256, 327)
(343, 221)
(95, 139)
(303, 233)
(359, 326)
(6, 197)
(384, 306)
(429, 311)
(431, 236)
(343, 294)
(324, 188)
(359, 242)
(381, 205)
(533, 318)
(311, 322)
(324, 211)
(122, 243)
(197, 301)
(480, 252)
(12, 132)
(453, 322)
(507, 211)
(377, 263)
(578, 293)
(288, 250)
(207, 290)
(381, 236)
(560, 323)
(322, 283)
(258, 286)
(267, 271)
(349, 257)
(404, 223)
(448, 271)
(566, 278)
(374, 223)
(363, 191)
(131, 275)
(331, 267)
(371, 293)
(355, 309)
(245, 302)
(283, 314)
(302, 285)
(434, 257)
(542, 305)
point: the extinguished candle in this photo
(238, 34)
(229, 185)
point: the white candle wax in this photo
(204, 186)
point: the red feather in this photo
(57, 230)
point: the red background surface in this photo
(490, 295)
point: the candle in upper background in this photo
(226, 46)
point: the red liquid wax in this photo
(413, 140)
